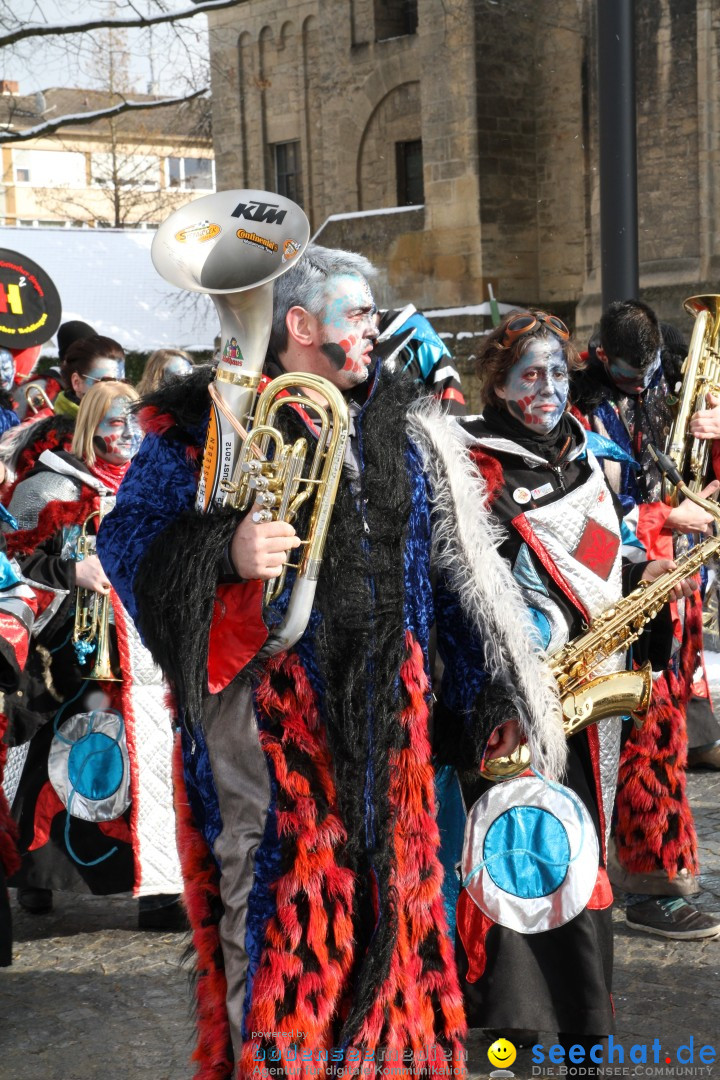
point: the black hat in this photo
(673, 338)
(69, 332)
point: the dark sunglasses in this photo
(519, 325)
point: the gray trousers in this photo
(241, 777)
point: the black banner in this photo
(30, 307)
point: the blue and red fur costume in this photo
(346, 932)
(654, 831)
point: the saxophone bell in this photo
(587, 697)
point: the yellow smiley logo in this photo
(502, 1053)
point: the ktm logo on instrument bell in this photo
(260, 211)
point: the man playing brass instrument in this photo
(313, 879)
(625, 395)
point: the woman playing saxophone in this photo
(563, 536)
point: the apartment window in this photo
(127, 170)
(39, 223)
(409, 166)
(395, 18)
(288, 175)
(190, 174)
(49, 168)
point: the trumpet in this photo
(36, 398)
(701, 376)
(586, 697)
(91, 631)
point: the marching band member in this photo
(625, 396)
(85, 362)
(309, 840)
(91, 754)
(561, 534)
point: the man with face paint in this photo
(326, 746)
(625, 396)
(564, 541)
(75, 835)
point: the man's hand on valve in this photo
(705, 424)
(259, 548)
(89, 574)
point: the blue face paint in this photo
(536, 387)
(348, 329)
(632, 379)
(117, 436)
(104, 368)
(7, 369)
(176, 366)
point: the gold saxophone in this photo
(232, 245)
(587, 698)
(701, 376)
(91, 631)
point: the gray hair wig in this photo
(305, 285)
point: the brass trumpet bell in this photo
(91, 631)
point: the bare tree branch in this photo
(50, 126)
(25, 32)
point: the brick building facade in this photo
(481, 116)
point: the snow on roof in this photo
(106, 278)
(470, 309)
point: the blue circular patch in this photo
(527, 851)
(95, 766)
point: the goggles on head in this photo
(525, 323)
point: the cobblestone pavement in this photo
(90, 998)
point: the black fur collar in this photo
(185, 400)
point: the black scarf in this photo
(553, 445)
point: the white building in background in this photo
(84, 204)
(106, 278)
(130, 171)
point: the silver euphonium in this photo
(232, 245)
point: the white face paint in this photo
(348, 330)
(115, 438)
(536, 387)
(102, 368)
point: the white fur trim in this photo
(465, 542)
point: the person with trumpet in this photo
(309, 839)
(626, 394)
(92, 740)
(563, 536)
